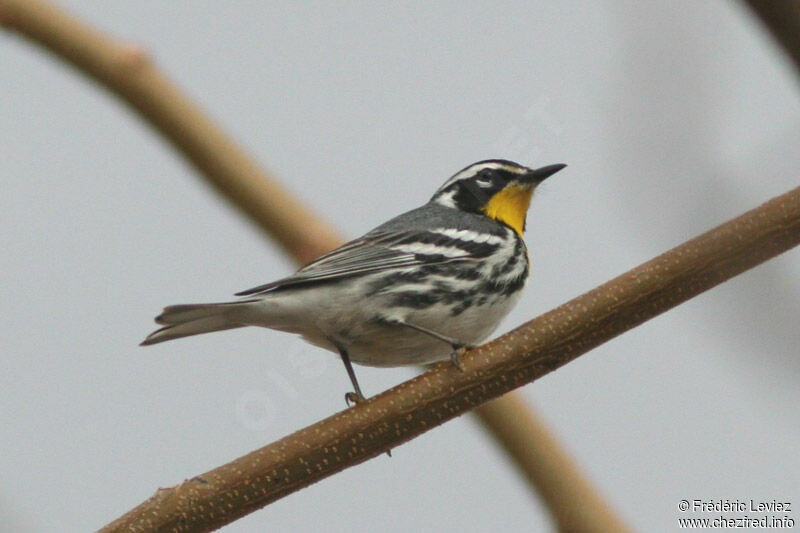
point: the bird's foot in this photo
(354, 398)
(458, 351)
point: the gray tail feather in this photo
(194, 319)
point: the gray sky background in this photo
(672, 116)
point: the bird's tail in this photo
(194, 319)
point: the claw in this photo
(354, 398)
(458, 351)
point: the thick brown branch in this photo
(519, 357)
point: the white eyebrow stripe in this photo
(471, 171)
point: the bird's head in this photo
(496, 188)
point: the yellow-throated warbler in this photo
(424, 285)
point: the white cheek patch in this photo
(446, 199)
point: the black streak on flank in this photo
(455, 270)
(459, 299)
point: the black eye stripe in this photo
(479, 194)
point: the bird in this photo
(426, 285)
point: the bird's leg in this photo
(357, 396)
(459, 348)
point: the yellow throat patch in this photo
(510, 206)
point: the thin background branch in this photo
(782, 19)
(127, 71)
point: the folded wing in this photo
(378, 252)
